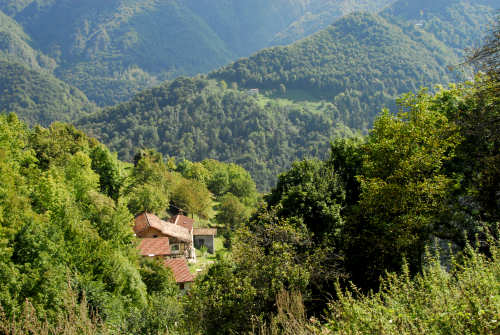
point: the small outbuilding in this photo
(205, 237)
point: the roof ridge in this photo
(147, 219)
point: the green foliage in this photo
(266, 261)
(475, 167)
(39, 98)
(57, 228)
(192, 196)
(403, 187)
(311, 191)
(391, 56)
(157, 277)
(346, 159)
(150, 184)
(231, 212)
(226, 308)
(463, 300)
(106, 166)
(195, 119)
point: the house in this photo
(180, 269)
(205, 237)
(173, 241)
(180, 238)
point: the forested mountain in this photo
(28, 86)
(365, 61)
(457, 23)
(112, 49)
(320, 14)
(361, 63)
(38, 97)
(352, 69)
(15, 46)
(199, 118)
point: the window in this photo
(155, 236)
(174, 248)
(181, 286)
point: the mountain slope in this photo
(460, 24)
(39, 98)
(197, 119)
(320, 14)
(15, 46)
(119, 46)
(111, 49)
(360, 63)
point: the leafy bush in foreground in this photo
(462, 300)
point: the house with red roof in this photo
(155, 247)
(173, 241)
(180, 236)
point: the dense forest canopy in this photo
(199, 118)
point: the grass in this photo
(204, 261)
(315, 106)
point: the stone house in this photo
(180, 238)
(173, 242)
(205, 237)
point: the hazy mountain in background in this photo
(15, 45)
(457, 23)
(320, 14)
(38, 97)
(364, 61)
(111, 49)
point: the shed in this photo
(205, 237)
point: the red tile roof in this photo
(182, 221)
(145, 220)
(141, 223)
(205, 231)
(154, 246)
(180, 269)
